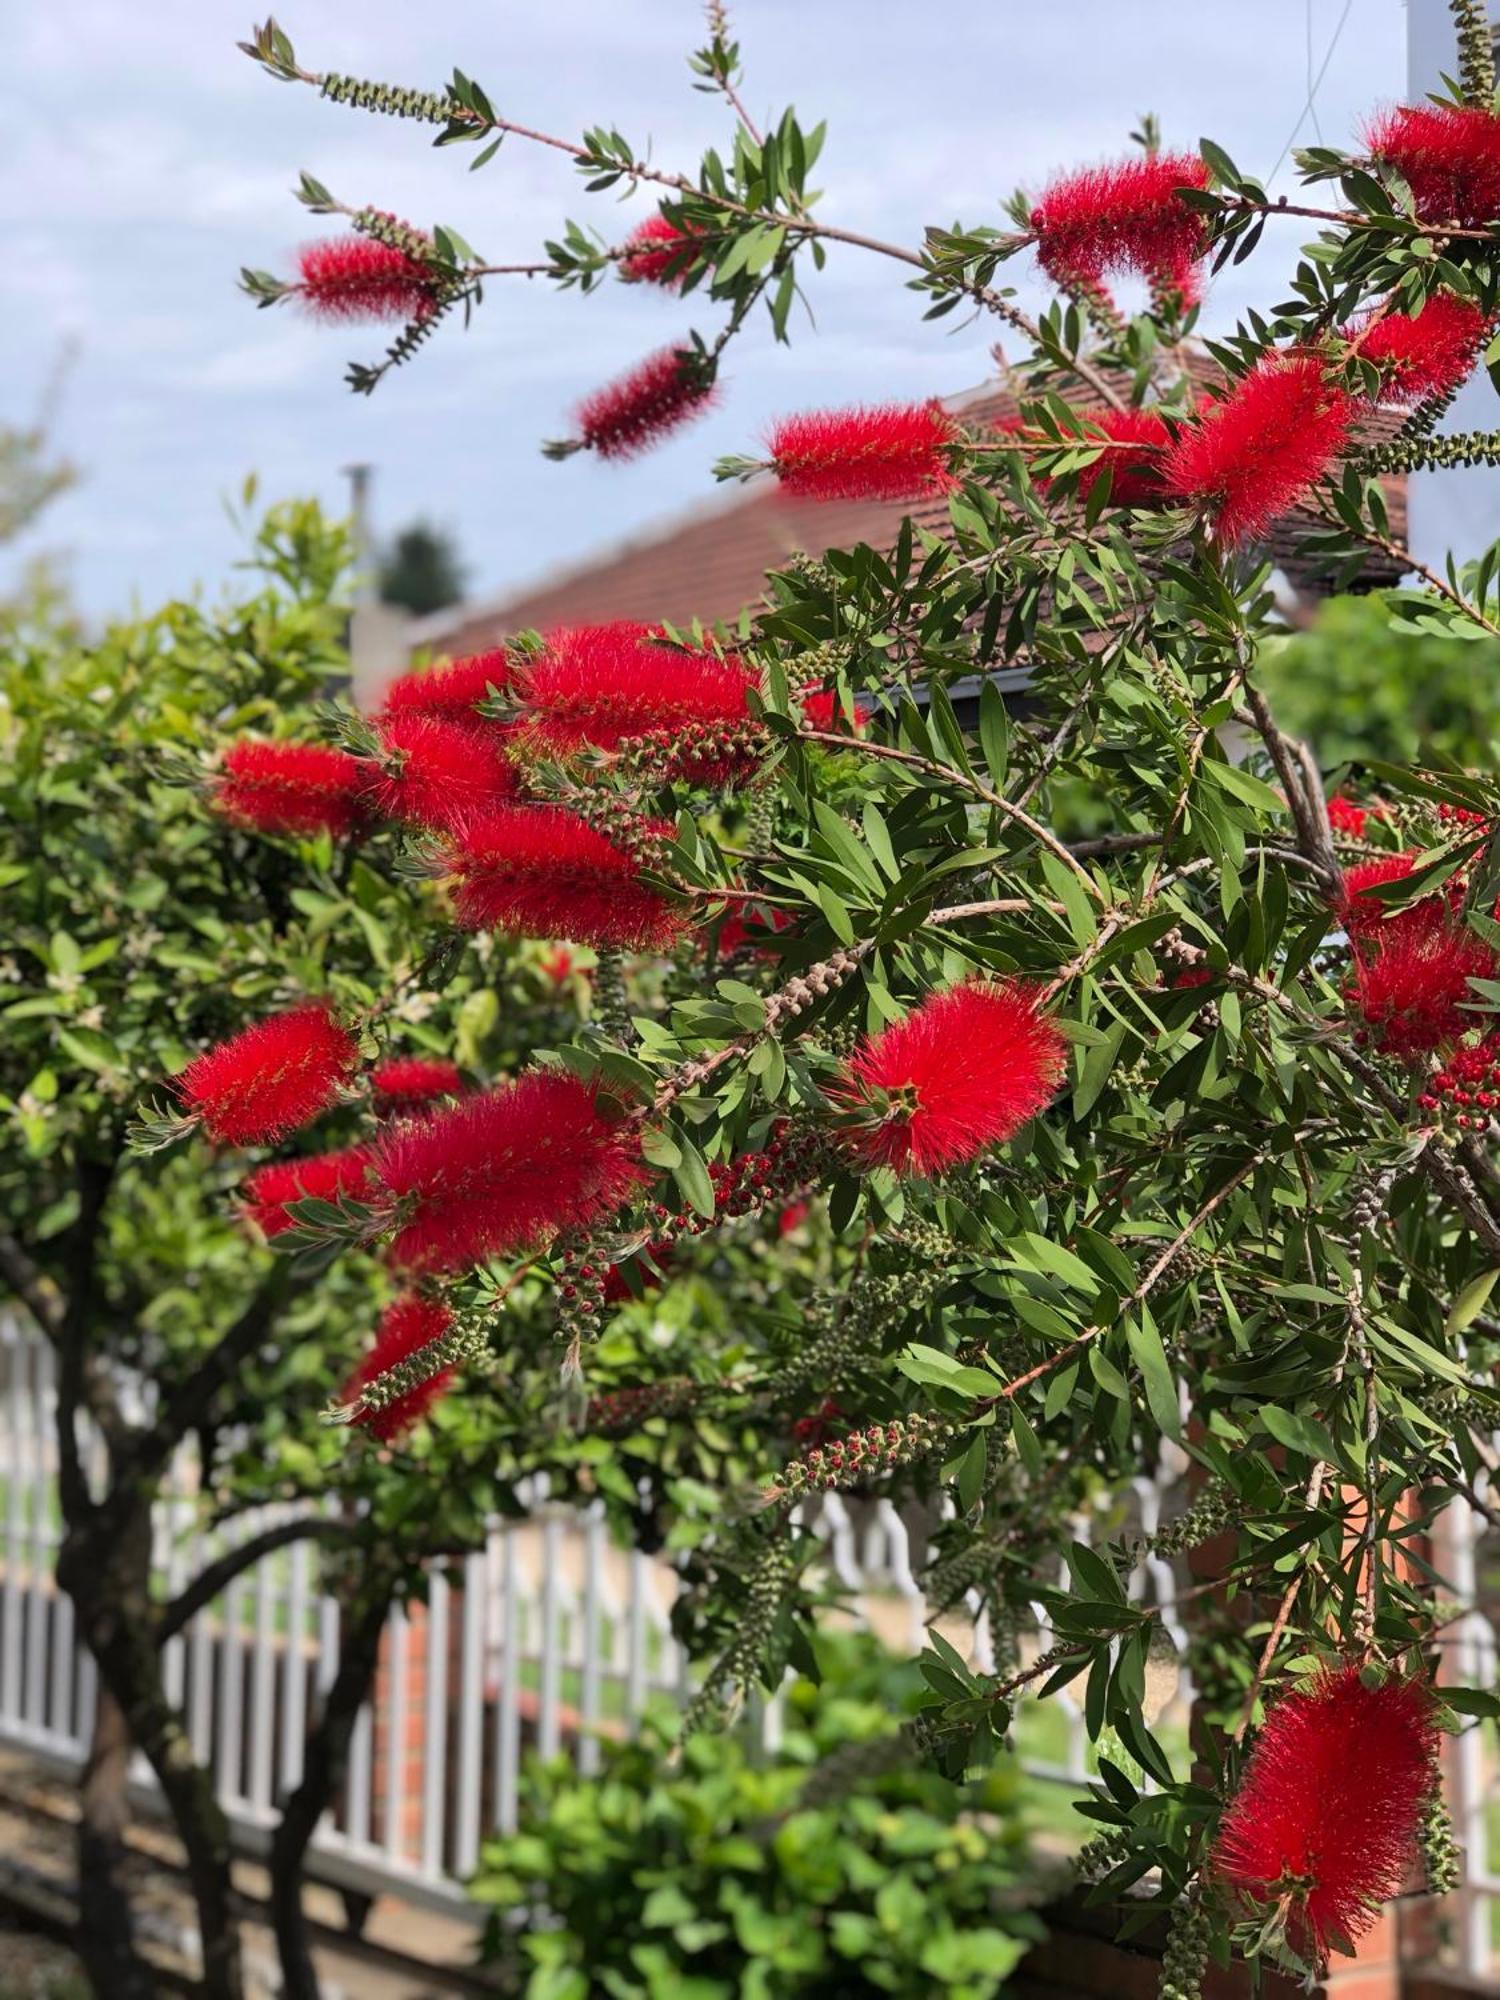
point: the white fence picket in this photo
(550, 1636)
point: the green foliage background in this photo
(1362, 684)
(828, 1866)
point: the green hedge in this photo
(704, 1871)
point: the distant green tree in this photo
(1361, 683)
(422, 570)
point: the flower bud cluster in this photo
(881, 1448)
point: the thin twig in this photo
(1007, 808)
(798, 223)
(1147, 1284)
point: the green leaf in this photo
(1470, 1302)
(931, 1367)
(1471, 1701)
(1156, 1375)
(660, 1148)
(1094, 1070)
(969, 1476)
(994, 733)
(1297, 1432)
(691, 1176)
(1028, 1446)
(1045, 1255)
(1241, 785)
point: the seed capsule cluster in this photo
(1214, 1510)
(581, 1281)
(786, 1165)
(767, 1584)
(460, 1344)
(616, 1411)
(611, 1002)
(1442, 1857)
(388, 98)
(847, 1333)
(1097, 1856)
(387, 228)
(689, 750)
(818, 981)
(881, 1448)
(647, 841)
(1368, 1212)
(1185, 1959)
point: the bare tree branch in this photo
(31, 1285)
(208, 1583)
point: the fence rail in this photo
(549, 1637)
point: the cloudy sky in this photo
(149, 160)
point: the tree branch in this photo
(1303, 789)
(32, 1286)
(208, 1583)
(1007, 808)
(95, 1177)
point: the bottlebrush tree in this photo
(1138, 1096)
(147, 917)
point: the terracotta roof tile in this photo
(711, 564)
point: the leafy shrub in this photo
(836, 1865)
(1359, 684)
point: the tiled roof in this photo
(711, 563)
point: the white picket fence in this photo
(550, 1637)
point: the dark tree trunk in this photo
(106, 1930)
(106, 1572)
(325, 1758)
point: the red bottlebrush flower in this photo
(404, 1082)
(651, 1268)
(1190, 976)
(407, 1325)
(1326, 1815)
(1365, 916)
(751, 926)
(439, 773)
(1257, 452)
(290, 787)
(603, 684)
(1345, 817)
(504, 1171)
(891, 451)
(792, 1217)
(1136, 475)
(560, 965)
(653, 254)
(813, 1431)
(271, 1077)
(1460, 815)
(629, 416)
(1411, 981)
(824, 710)
(1448, 155)
(1125, 217)
(453, 690)
(1429, 353)
(963, 1072)
(541, 871)
(270, 1190)
(355, 277)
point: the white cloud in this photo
(154, 160)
